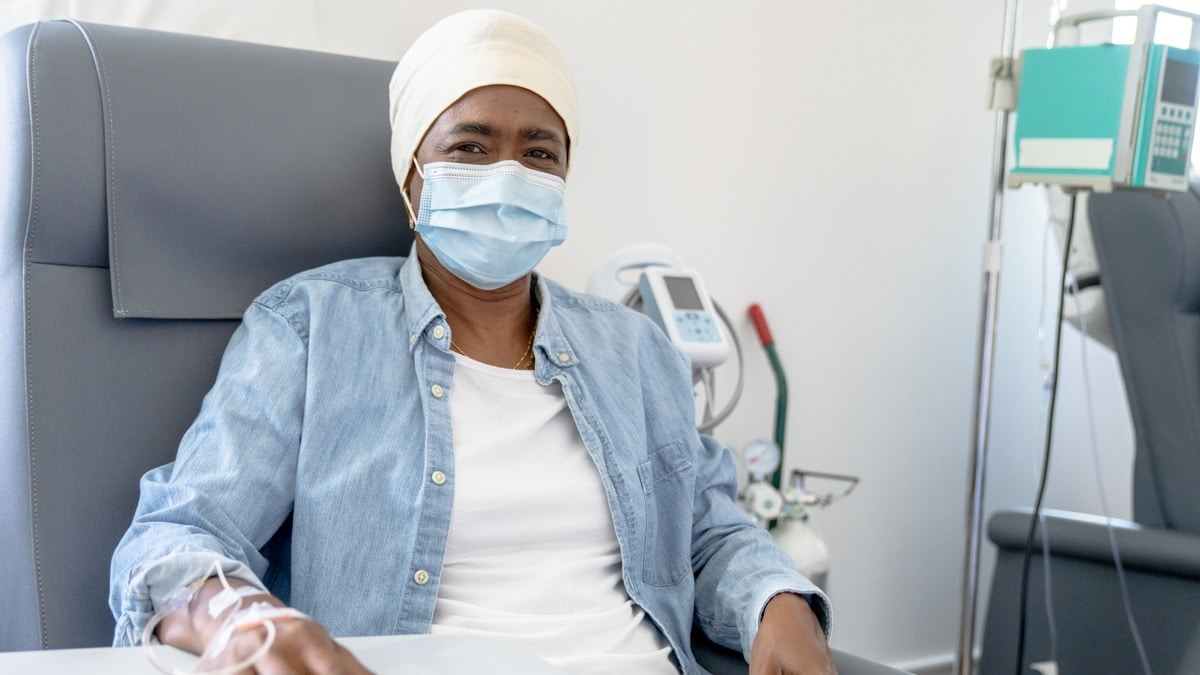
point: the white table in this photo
(388, 655)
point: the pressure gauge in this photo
(761, 457)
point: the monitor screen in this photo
(683, 293)
(1179, 82)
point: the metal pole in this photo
(983, 380)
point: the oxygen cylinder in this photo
(799, 540)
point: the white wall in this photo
(831, 162)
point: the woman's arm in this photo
(231, 485)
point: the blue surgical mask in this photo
(490, 224)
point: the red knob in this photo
(760, 325)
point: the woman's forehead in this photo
(501, 105)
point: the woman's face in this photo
(493, 124)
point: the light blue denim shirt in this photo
(332, 404)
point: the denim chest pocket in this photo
(667, 478)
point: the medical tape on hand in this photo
(230, 596)
(251, 617)
(260, 612)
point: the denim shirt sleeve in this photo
(739, 568)
(231, 485)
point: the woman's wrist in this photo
(196, 623)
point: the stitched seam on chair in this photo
(111, 179)
(35, 127)
(110, 153)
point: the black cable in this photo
(1085, 281)
(1041, 492)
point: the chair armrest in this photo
(721, 661)
(1161, 592)
(1086, 537)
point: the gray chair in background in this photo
(153, 184)
(1148, 249)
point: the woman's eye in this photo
(539, 154)
(469, 147)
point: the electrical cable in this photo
(1038, 516)
(1041, 491)
(1047, 587)
(1084, 282)
(711, 423)
(706, 376)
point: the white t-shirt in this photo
(532, 557)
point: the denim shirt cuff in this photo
(152, 585)
(772, 586)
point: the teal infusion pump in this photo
(1107, 116)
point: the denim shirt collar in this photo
(423, 310)
(556, 350)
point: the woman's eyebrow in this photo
(476, 128)
(541, 134)
(527, 133)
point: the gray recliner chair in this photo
(1148, 248)
(153, 184)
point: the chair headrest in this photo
(224, 166)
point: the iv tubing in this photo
(1045, 472)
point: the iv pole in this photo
(987, 344)
(1003, 100)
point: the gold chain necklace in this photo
(526, 355)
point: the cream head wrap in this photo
(465, 51)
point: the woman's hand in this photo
(790, 640)
(301, 646)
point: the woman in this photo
(464, 447)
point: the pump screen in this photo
(683, 293)
(1179, 82)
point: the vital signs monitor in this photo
(678, 302)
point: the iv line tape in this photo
(222, 601)
(184, 596)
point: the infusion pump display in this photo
(679, 304)
(1170, 142)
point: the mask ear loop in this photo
(412, 216)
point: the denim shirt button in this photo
(439, 332)
(437, 390)
(438, 477)
(421, 577)
(564, 357)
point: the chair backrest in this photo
(151, 184)
(1148, 248)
